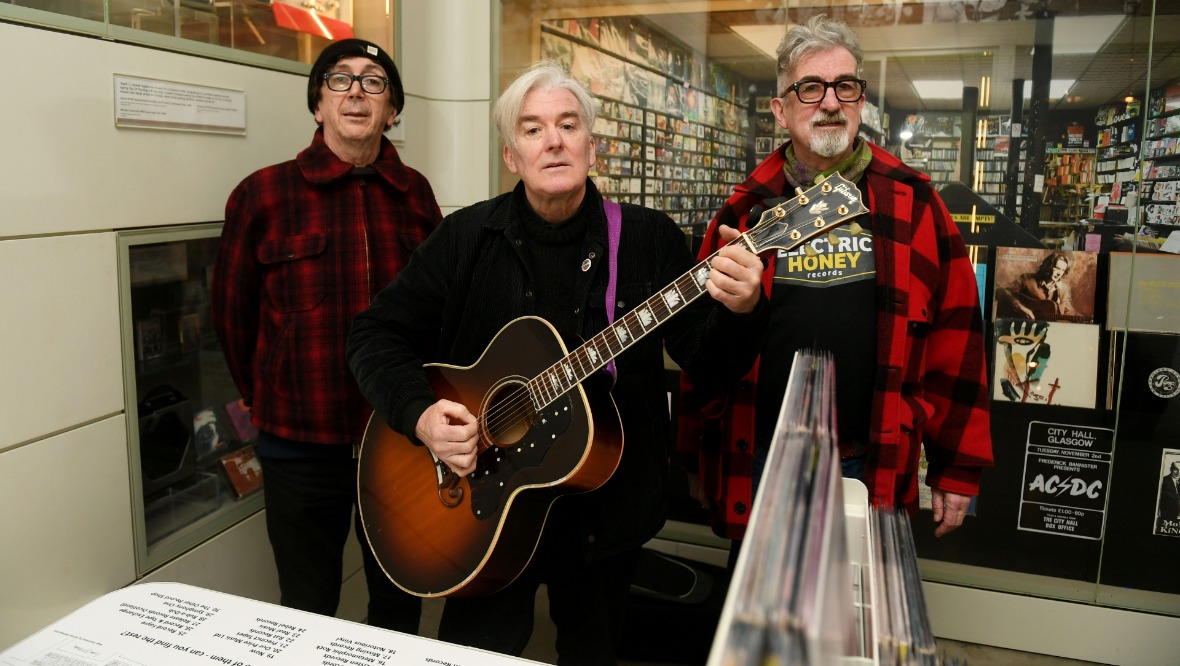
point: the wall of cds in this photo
(672, 132)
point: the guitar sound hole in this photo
(507, 413)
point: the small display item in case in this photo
(190, 333)
(239, 418)
(243, 470)
(149, 338)
(165, 438)
(207, 433)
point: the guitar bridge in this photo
(450, 493)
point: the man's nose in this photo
(829, 101)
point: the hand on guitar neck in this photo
(736, 278)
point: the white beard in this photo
(829, 142)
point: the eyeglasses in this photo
(812, 92)
(342, 81)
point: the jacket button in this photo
(589, 538)
(517, 241)
(739, 508)
(620, 305)
(528, 294)
(592, 255)
(577, 310)
(742, 445)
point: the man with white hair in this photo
(544, 249)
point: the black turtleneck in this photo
(555, 254)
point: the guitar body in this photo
(436, 534)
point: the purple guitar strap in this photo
(614, 228)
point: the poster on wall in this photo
(1167, 512)
(1051, 285)
(1046, 363)
(1066, 468)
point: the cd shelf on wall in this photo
(671, 132)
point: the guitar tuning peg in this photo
(809, 251)
(832, 239)
(798, 191)
(820, 179)
(855, 229)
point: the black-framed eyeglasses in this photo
(812, 92)
(370, 83)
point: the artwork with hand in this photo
(1045, 363)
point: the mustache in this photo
(824, 117)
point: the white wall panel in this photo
(59, 345)
(237, 561)
(452, 149)
(66, 522)
(70, 169)
(446, 46)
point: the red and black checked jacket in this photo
(306, 245)
(931, 383)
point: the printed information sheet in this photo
(181, 625)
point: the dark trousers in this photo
(586, 604)
(309, 506)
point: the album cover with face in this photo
(1050, 285)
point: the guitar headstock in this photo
(827, 205)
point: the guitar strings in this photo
(519, 407)
(502, 416)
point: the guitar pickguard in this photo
(498, 470)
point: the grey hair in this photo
(545, 75)
(820, 33)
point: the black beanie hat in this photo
(353, 48)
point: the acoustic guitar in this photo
(542, 433)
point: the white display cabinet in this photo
(185, 423)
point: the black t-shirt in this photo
(823, 303)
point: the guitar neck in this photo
(828, 203)
(599, 350)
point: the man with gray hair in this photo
(545, 250)
(896, 306)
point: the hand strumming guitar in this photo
(449, 430)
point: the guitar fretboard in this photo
(784, 226)
(615, 339)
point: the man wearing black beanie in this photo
(306, 245)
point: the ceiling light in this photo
(1129, 98)
(1058, 88)
(939, 89)
(1083, 34)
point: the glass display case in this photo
(193, 473)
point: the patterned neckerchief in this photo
(851, 167)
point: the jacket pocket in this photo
(294, 271)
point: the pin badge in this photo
(585, 265)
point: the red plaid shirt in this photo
(305, 247)
(931, 384)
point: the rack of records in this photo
(672, 133)
(821, 577)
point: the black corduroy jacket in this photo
(471, 277)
